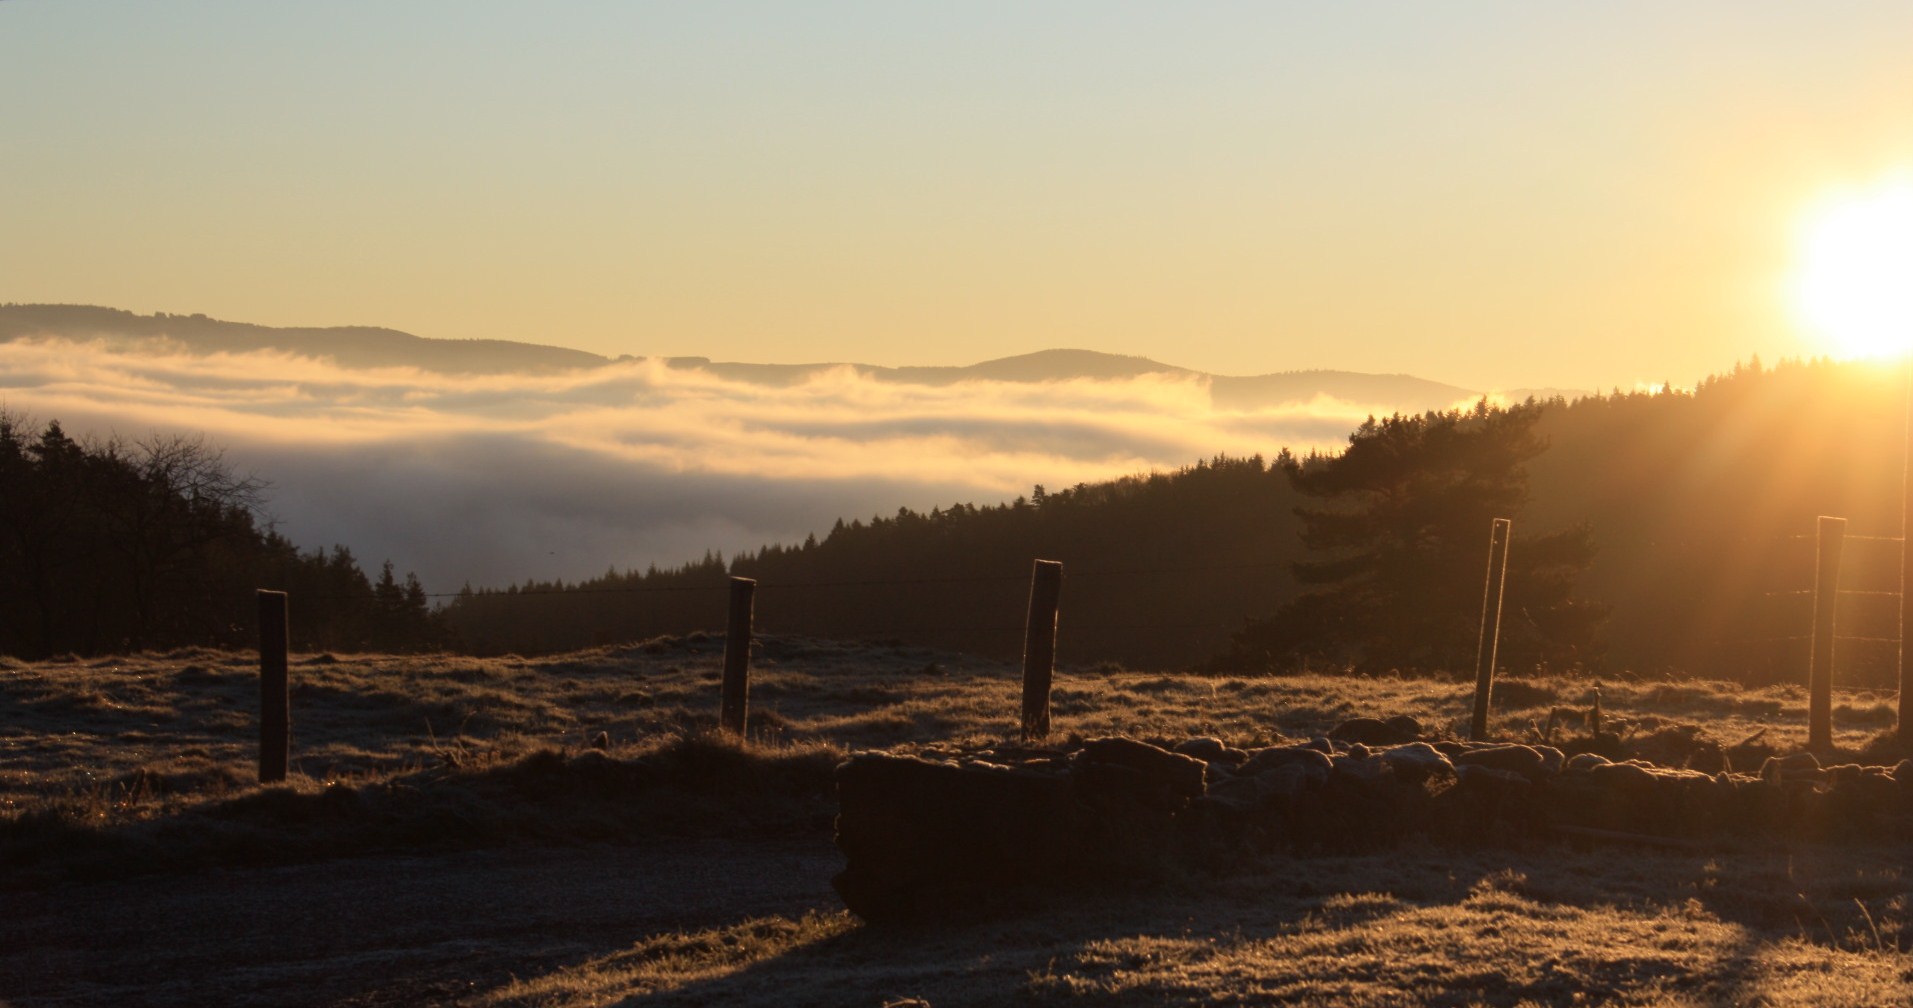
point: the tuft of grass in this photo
(675, 960)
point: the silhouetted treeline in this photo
(1682, 517)
(1703, 507)
(1158, 569)
(113, 547)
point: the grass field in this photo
(142, 767)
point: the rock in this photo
(921, 837)
(1417, 762)
(1359, 770)
(1178, 775)
(1405, 726)
(1246, 792)
(1800, 766)
(1476, 777)
(1376, 732)
(1583, 762)
(1608, 796)
(1844, 774)
(1486, 802)
(1212, 751)
(1263, 760)
(1524, 760)
(1130, 796)
(1293, 779)
(942, 838)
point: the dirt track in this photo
(387, 930)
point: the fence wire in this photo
(491, 596)
(772, 585)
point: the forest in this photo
(111, 547)
(1655, 532)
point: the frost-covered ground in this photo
(561, 831)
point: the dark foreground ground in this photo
(386, 930)
(576, 839)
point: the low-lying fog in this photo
(494, 479)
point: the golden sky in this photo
(1487, 194)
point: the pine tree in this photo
(1400, 544)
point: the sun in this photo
(1853, 280)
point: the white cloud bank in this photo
(492, 479)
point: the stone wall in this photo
(931, 836)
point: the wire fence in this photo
(1871, 628)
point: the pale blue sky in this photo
(1489, 194)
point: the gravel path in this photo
(386, 930)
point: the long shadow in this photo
(876, 965)
(383, 930)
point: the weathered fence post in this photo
(1498, 535)
(1039, 646)
(275, 701)
(737, 658)
(1905, 725)
(1826, 597)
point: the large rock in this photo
(919, 835)
(1266, 759)
(1168, 779)
(1212, 751)
(1527, 761)
(1417, 762)
(932, 838)
(924, 839)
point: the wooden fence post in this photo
(737, 658)
(1039, 647)
(1826, 596)
(1905, 724)
(1490, 641)
(275, 702)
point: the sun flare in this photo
(1853, 283)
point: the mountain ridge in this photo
(377, 346)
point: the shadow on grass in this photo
(1419, 926)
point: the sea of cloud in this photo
(495, 479)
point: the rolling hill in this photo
(371, 346)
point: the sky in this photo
(1487, 194)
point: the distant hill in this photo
(352, 346)
(369, 346)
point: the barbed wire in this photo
(1800, 592)
(486, 596)
(1837, 639)
(1062, 622)
(773, 585)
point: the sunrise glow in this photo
(1854, 285)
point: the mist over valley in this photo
(492, 462)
